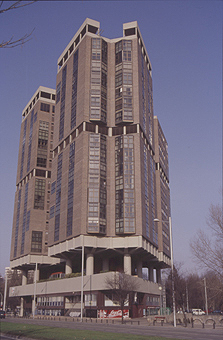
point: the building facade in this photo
(108, 181)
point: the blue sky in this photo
(184, 43)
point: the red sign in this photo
(112, 313)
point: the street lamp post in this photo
(206, 298)
(160, 289)
(187, 299)
(172, 279)
(34, 296)
(5, 290)
(82, 279)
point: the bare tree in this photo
(2, 284)
(10, 43)
(215, 221)
(214, 291)
(208, 251)
(121, 286)
(179, 286)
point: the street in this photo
(140, 328)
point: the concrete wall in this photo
(68, 286)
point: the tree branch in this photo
(14, 43)
(15, 5)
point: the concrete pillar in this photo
(158, 275)
(21, 307)
(24, 277)
(127, 264)
(33, 306)
(105, 264)
(139, 268)
(68, 266)
(90, 264)
(151, 277)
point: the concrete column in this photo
(33, 307)
(21, 307)
(105, 265)
(90, 264)
(68, 266)
(127, 264)
(151, 277)
(24, 277)
(139, 268)
(158, 275)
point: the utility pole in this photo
(82, 279)
(173, 289)
(206, 298)
(187, 298)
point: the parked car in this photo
(198, 311)
(217, 312)
(2, 314)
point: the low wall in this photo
(189, 317)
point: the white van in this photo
(198, 312)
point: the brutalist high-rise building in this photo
(109, 180)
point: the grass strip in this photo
(55, 333)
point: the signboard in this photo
(112, 313)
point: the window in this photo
(90, 299)
(95, 101)
(83, 31)
(40, 173)
(98, 95)
(96, 55)
(39, 196)
(104, 51)
(92, 29)
(77, 40)
(45, 95)
(52, 209)
(118, 79)
(24, 218)
(74, 90)
(127, 50)
(96, 43)
(71, 48)
(27, 220)
(127, 78)
(17, 223)
(118, 52)
(44, 107)
(70, 190)
(58, 197)
(42, 144)
(23, 148)
(62, 106)
(124, 185)
(30, 141)
(130, 31)
(97, 184)
(53, 187)
(123, 81)
(58, 92)
(36, 244)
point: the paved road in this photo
(142, 329)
